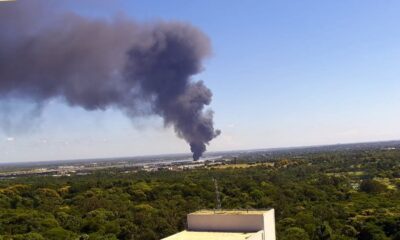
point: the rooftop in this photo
(230, 212)
(185, 235)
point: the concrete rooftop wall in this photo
(226, 222)
(269, 225)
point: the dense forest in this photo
(331, 195)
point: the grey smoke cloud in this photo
(140, 68)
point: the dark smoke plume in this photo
(96, 64)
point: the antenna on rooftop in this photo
(217, 195)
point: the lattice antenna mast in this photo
(217, 195)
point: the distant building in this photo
(228, 225)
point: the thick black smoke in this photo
(96, 64)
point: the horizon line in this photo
(189, 154)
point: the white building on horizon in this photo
(228, 225)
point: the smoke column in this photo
(139, 68)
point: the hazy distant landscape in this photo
(160, 162)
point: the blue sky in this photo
(283, 73)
